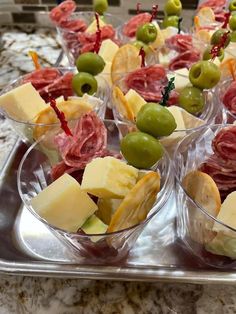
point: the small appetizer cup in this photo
(209, 239)
(221, 89)
(30, 131)
(34, 175)
(70, 41)
(210, 114)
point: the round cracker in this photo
(137, 203)
(126, 60)
(122, 104)
(203, 190)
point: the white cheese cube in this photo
(181, 78)
(108, 178)
(135, 101)
(108, 50)
(227, 214)
(23, 103)
(64, 204)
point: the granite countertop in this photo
(45, 295)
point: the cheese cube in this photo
(227, 214)
(181, 78)
(23, 103)
(108, 50)
(108, 178)
(107, 207)
(176, 136)
(135, 101)
(64, 204)
(92, 28)
(106, 73)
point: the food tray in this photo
(28, 248)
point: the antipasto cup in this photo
(73, 43)
(209, 239)
(30, 131)
(34, 175)
(211, 113)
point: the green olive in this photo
(207, 54)
(146, 33)
(156, 120)
(141, 150)
(90, 62)
(204, 74)
(173, 7)
(232, 5)
(172, 20)
(84, 83)
(191, 99)
(100, 6)
(217, 36)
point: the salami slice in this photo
(62, 86)
(61, 168)
(180, 42)
(229, 98)
(89, 141)
(184, 60)
(132, 25)
(74, 25)
(149, 82)
(107, 32)
(62, 12)
(224, 144)
(41, 78)
(212, 4)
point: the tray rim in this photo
(96, 272)
(118, 273)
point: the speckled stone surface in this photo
(63, 296)
(56, 296)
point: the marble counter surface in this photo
(44, 295)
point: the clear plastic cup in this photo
(26, 129)
(34, 175)
(209, 239)
(69, 39)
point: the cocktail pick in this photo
(215, 51)
(154, 13)
(138, 8)
(98, 35)
(167, 90)
(61, 117)
(35, 59)
(143, 55)
(226, 19)
(179, 24)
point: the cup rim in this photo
(62, 29)
(176, 153)
(8, 88)
(161, 199)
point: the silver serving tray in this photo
(28, 248)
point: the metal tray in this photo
(28, 248)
